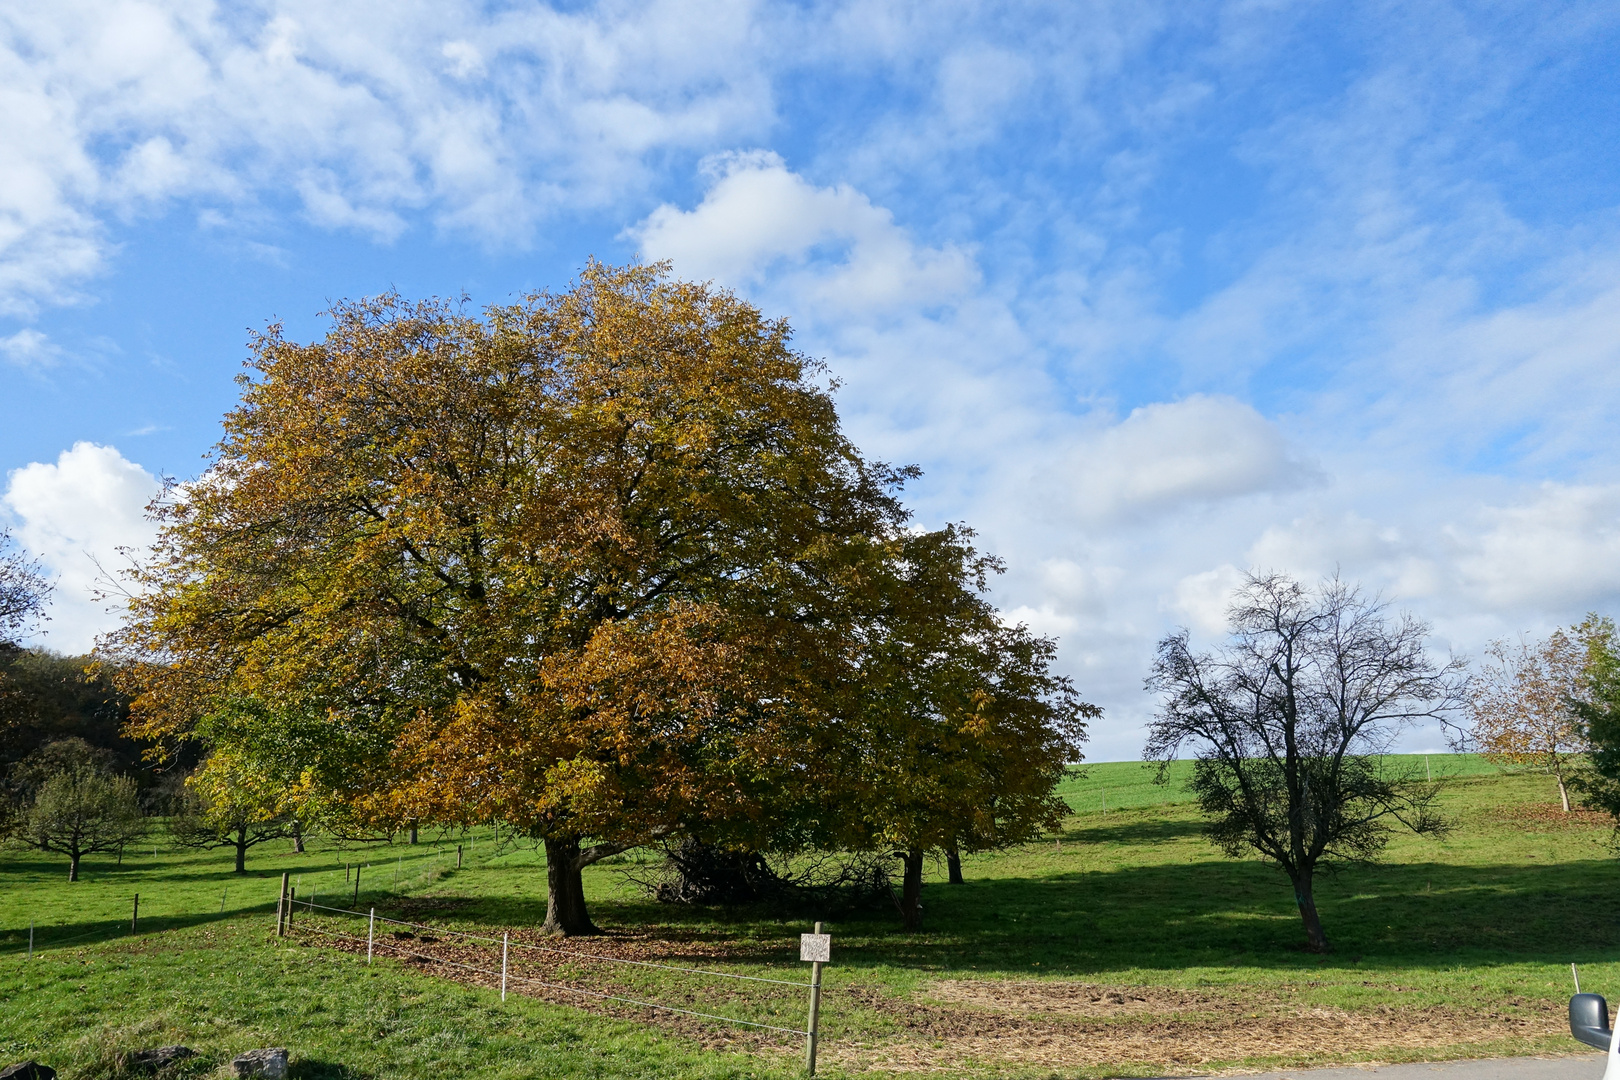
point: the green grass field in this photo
(1452, 947)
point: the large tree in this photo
(571, 564)
(1291, 722)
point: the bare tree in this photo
(23, 591)
(1290, 723)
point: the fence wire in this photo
(510, 976)
(562, 952)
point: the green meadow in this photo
(1449, 947)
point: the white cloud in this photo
(466, 62)
(1201, 600)
(1559, 549)
(483, 122)
(828, 247)
(1046, 621)
(74, 515)
(29, 348)
(1325, 542)
(1171, 454)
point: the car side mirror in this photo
(1589, 1020)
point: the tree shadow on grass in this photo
(1096, 829)
(1221, 913)
(1212, 913)
(72, 935)
(1217, 912)
(98, 869)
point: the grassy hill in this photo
(1123, 946)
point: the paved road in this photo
(1574, 1067)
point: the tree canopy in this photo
(24, 589)
(78, 806)
(961, 730)
(1597, 709)
(1526, 701)
(1290, 723)
(595, 564)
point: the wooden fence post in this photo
(812, 1029)
(135, 913)
(281, 908)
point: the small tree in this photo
(1291, 720)
(225, 806)
(1524, 704)
(79, 808)
(961, 731)
(1597, 709)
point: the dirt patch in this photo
(1066, 998)
(1551, 815)
(581, 974)
(963, 1024)
(1079, 1025)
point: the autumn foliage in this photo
(1527, 698)
(599, 564)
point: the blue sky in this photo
(1154, 293)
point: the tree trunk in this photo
(1315, 940)
(241, 849)
(911, 890)
(413, 834)
(565, 887)
(1563, 793)
(953, 864)
(298, 837)
(73, 866)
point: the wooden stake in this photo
(815, 1015)
(135, 913)
(281, 908)
(356, 901)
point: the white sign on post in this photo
(815, 947)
